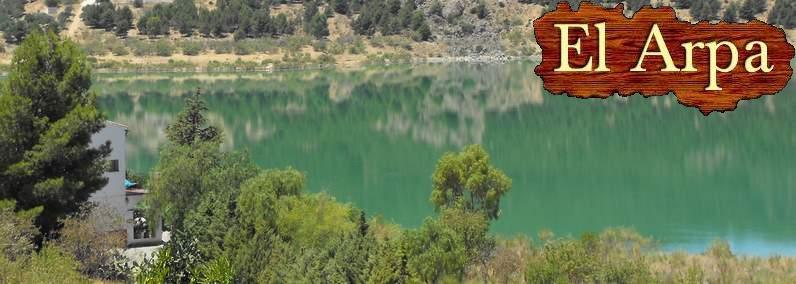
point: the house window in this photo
(141, 229)
(113, 166)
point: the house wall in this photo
(157, 234)
(113, 194)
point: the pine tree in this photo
(704, 9)
(685, 4)
(749, 9)
(783, 13)
(122, 21)
(47, 118)
(189, 126)
(731, 13)
(635, 5)
(340, 6)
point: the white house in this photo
(116, 195)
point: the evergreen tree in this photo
(123, 21)
(750, 8)
(783, 13)
(340, 6)
(318, 26)
(731, 13)
(189, 126)
(635, 5)
(685, 4)
(184, 15)
(704, 9)
(47, 118)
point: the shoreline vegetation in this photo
(115, 67)
(234, 222)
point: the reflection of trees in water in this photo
(453, 109)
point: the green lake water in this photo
(372, 138)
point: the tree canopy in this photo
(191, 125)
(468, 180)
(47, 118)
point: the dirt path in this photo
(76, 23)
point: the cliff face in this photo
(506, 26)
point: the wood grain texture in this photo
(625, 39)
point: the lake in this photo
(372, 137)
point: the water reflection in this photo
(372, 137)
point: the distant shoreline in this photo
(269, 68)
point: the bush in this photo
(221, 47)
(163, 47)
(119, 50)
(138, 3)
(480, 10)
(49, 265)
(242, 48)
(94, 237)
(191, 48)
(16, 231)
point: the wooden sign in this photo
(596, 52)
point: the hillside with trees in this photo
(290, 34)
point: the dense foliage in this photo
(191, 125)
(47, 117)
(15, 30)
(104, 15)
(391, 17)
(704, 9)
(730, 13)
(750, 8)
(783, 13)
(468, 180)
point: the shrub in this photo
(217, 271)
(480, 10)
(119, 50)
(467, 28)
(163, 47)
(191, 48)
(16, 230)
(138, 3)
(242, 48)
(221, 47)
(49, 265)
(94, 237)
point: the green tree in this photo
(731, 13)
(122, 21)
(47, 118)
(185, 175)
(635, 5)
(467, 179)
(705, 9)
(750, 8)
(783, 13)
(184, 16)
(435, 252)
(318, 26)
(685, 4)
(340, 6)
(190, 125)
